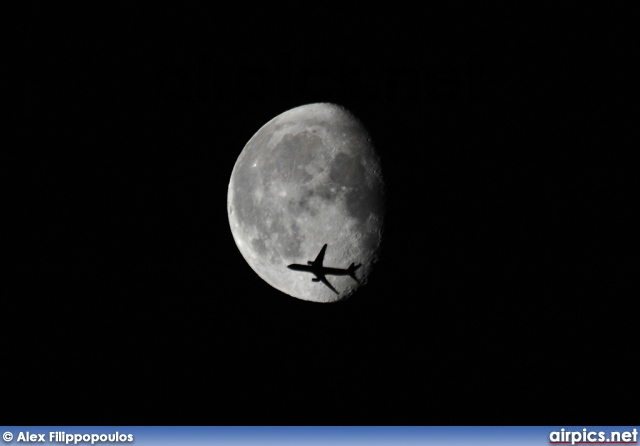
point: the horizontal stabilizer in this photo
(352, 271)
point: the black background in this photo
(500, 297)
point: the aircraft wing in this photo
(318, 261)
(324, 280)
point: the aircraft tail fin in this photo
(352, 271)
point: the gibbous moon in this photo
(308, 177)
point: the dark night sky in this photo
(498, 288)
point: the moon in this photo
(308, 177)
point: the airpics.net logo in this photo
(586, 436)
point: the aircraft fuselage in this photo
(322, 270)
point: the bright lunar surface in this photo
(308, 177)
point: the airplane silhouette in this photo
(320, 271)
